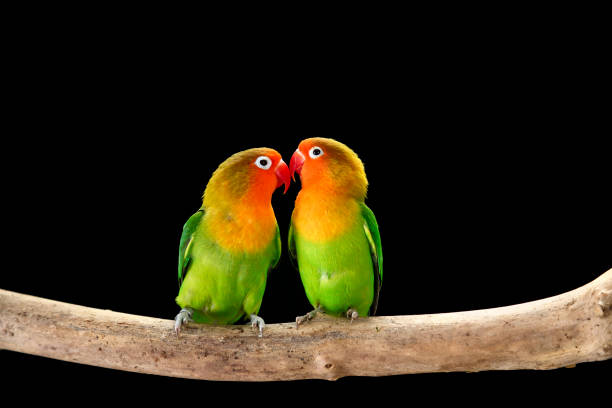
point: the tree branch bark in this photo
(560, 331)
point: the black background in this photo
(488, 175)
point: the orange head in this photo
(330, 167)
(252, 174)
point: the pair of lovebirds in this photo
(228, 246)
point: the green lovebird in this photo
(333, 234)
(229, 245)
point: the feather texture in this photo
(333, 235)
(230, 244)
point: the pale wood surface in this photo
(560, 331)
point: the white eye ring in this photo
(263, 162)
(315, 152)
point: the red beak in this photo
(282, 175)
(296, 163)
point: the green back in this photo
(292, 250)
(371, 230)
(184, 246)
(277, 247)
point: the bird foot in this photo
(183, 317)
(258, 322)
(352, 314)
(308, 316)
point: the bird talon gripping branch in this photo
(183, 317)
(258, 323)
(307, 317)
(352, 314)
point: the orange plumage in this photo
(332, 188)
(237, 202)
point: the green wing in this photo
(277, 254)
(185, 245)
(370, 226)
(292, 250)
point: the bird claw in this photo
(301, 319)
(352, 314)
(258, 322)
(184, 316)
(307, 317)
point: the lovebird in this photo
(229, 245)
(333, 235)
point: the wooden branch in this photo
(560, 331)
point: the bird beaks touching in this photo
(282, 175)
(296, 163)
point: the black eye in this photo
(315, 152)
(263, 162)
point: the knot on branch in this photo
(604, 301)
